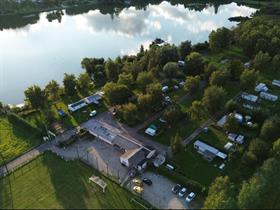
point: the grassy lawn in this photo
(70, 120)
(15, 138)
(50, 182)
(184, 128)
(195, 167)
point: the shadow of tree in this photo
(68, 182)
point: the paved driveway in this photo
(159, 194)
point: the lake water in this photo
(39, 52)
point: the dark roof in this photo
(137, 158)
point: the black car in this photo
(176, 188)
(147, 181)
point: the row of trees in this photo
(37, 97)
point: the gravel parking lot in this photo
(159, 194)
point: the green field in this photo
(16, 138)
(50, 182)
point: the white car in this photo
(93, 113)
(182, 192)
(190, 197)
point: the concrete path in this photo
(25, 158)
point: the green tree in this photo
(129, 113)
(270, 128)
(70, 84)
(276, 62)
(145, 103)
(262, 61)
(143, 79)
(35, 96)
(262, 190)
(231, 124)
(196, 111)
(235, 68)
(155, 91)
(220, 39)
(173, 113)
(175, 144)
(112, 70)
(126, 79)
(171, 70)
(84, 83)
(116, 94)
(209, 69)
(219, 77)
(248, 79)
(192, 84)
(184, 49)
(52, 90)
(276, 147)
(194, 63)
(259, 148)
(214, 99)
(220, 195)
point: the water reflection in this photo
(43, 50)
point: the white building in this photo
(249, 97)
(207, 151)
(261, 87)
(276, 83)
(268, 96)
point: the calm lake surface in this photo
(39, 52)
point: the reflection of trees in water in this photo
(114, 9)
(17, 21)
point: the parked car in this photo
(137, 182)
(93, 113)
(138, 189)
(190, 197)
(147, 181)
(182, 192)
(176, 188)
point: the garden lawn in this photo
(50, 182)
(195, 167)
(16, 138)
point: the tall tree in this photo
(116, 94)
(143, 79)
(70, 84)
(84, 83)
(171, 70)
(262, 61)
(184, 49)
(192, 84)
(194, 63)
(214, 98)
(220, 195)
(126, 79)
(35, 96)
(112, 70)
(235, 69)
(248, 79)
(220, 39)
(52, 90)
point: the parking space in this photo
(160, 194)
